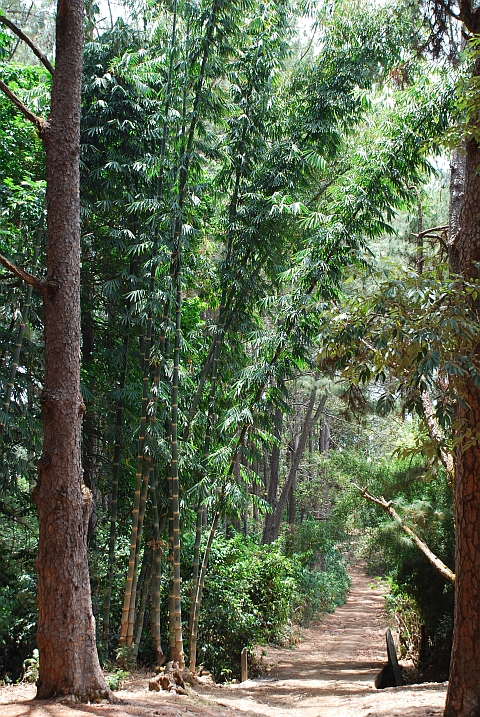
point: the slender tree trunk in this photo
(141, 517)
(255, 511)
(324, 438)
(177, 652)
(176, 645)
(196, 570)
(126, 635)
(143, 590)
(66, 628)
(292, 504)
(457, 185)
(267, 536)
(311, 418)
(419, 259)
(158, 524)
(206, 453)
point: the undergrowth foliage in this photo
(255, 594)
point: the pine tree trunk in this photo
(463, 695)
(66, 628)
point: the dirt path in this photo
(330, 674)
(332, 671)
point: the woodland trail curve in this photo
(329, 674)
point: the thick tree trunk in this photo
(66, 628)
(463, 696)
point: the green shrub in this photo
(248, 599)
(320, 591)
(18, 618)
(253, 592)
(115, 678)
(30, 667)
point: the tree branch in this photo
(39, 123)
(22, 274)
(35, 49)
(431, 557)
(426, 232)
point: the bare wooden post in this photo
(392, 658)
(244, 664)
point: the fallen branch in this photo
(431, 557)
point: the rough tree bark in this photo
(69, 663)
(463, 694)
(66, 628)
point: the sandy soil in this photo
(330, 674)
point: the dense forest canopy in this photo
(238, 320)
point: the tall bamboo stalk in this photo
(141, 516)
(143, 588)
(176, 647)
(157, 546)
(177, 653)
(114, 497)
(200, 507)
(214, 361)
(132, 560)
(146, 361)
(198, 594)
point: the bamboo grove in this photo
(229, 177)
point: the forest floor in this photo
(329, 674)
